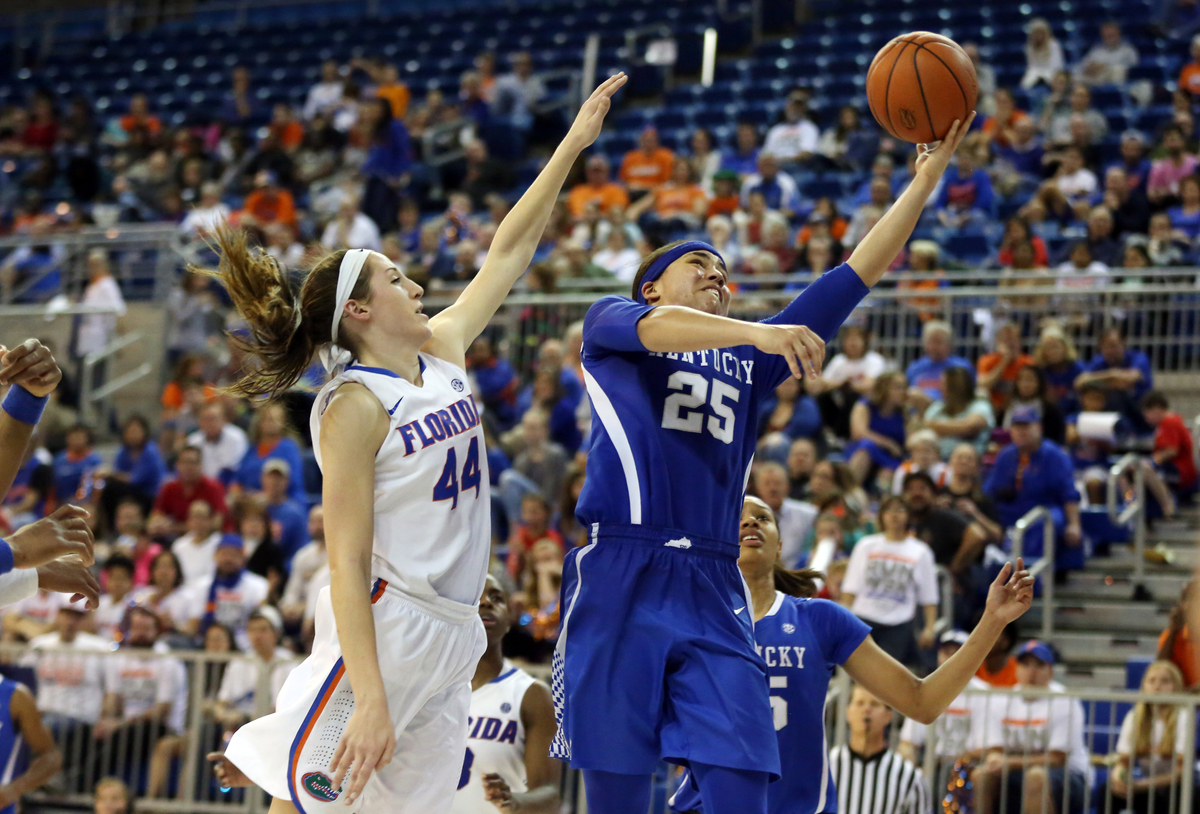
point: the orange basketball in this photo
(918, 84)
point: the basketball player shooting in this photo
(376, 718)
(656, 659)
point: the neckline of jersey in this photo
(383, 371)
(503, 676)
(779, 595)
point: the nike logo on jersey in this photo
(682, 542)
(739, 610)
(394, 406)
(439, 425)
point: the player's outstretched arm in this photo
(517, 236)
(352, 430)
(925, 699)
(30, 366)
(879, 248)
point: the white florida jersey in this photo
(432, 502)
(495, 740)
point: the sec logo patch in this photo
(457, 385)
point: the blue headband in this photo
(660, 265)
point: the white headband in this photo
(334, 357)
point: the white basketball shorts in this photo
(427, 655)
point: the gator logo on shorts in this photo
(320, 786)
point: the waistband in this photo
(456, 613)
(684, 542)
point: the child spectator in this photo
(1090, 456)
(1174, 451)
(1150, 747)
(533, 526)
(114, 602)
(923, 448)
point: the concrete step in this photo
(1092, 677)
(1097, 585)
(1092, 649)
(1121, 559)
(1093, 615)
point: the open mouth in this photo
(751, 538)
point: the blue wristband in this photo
(23, 405)
(6, 557)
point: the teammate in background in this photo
(656, 655)
(507, 766)
(21, 723)
(398, 438)
(31, 559)
(802, 640)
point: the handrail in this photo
(946, 595)
(89, 395)
(1043, 565)
(1134, 511)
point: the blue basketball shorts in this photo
(656, 659)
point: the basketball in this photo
(918, 84)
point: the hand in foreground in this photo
(1011, 594)
(590, 118)
(67, 577)
(228, 775)
(63, 533)
(497, 792)
(31, 365)
(365, 746)
(934, 158)
(803, 349)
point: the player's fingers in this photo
(69, 511)
(1002, 577)
(809, 351)
(389, 751)
(360, 772)
(336, 769)
(789, 354)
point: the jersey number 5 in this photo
(680, 409)
(778, 702)
(449, 485)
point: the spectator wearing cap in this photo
(1109, 60)
(231, 594)
(1175, 165)
(1032, 472)
(953, 728)
(177, 495)
(1034, 744)
(307, 562)
(647, 165)
(269, 202)
(925, 373)
(1124, 374)
(778, 189)
(236, 699)
(289, 520)
(597, 187)
(794, 140)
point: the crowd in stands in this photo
(210, 532)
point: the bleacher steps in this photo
(1097, 585)
(1090, 614)
(1096, 676)
(1110, 649)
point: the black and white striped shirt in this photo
(885, 783)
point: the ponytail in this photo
(286, 326)
(801, 583)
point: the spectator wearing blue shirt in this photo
(925, 374)
(1031, 472)
(786, 414)
(882, 167)
(388, 165)
(1124, 374)
(966, 192)
(289, 518)
(238, 108)
(137, 471)
(1133, 161)
(744, 158)
(1025, 151)
(496, 383)
(75, 465)
(1185, 218)
(269, 439)
(777, 188)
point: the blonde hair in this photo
(1054, 332)
(1143, 716)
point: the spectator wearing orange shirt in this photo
(998, 370)
(139, 116)
(269, 202)
(725, 199)
(1175, 643)
(1189, 77)
(394, 91)
(678, 204)
(648, 165)
(1000, 127)
(597, 188)
(999, 668)
(285, 127)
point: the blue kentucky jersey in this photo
(673, 434)
(801, 640)
(10, 738)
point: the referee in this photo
(870, 778)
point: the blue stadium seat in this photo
(971, 248)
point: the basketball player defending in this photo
(656, 655)
(400, 445)
(507, 766)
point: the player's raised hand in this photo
(800, 346)
(1011, 594)
(31, 365)
(63, 533)
(934, 158)
(590, 118)
(367, 744)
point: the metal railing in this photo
(1044, 566)
(92, 397)
(1134, 513)
(946, 593)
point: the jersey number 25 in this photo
(680, 409)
